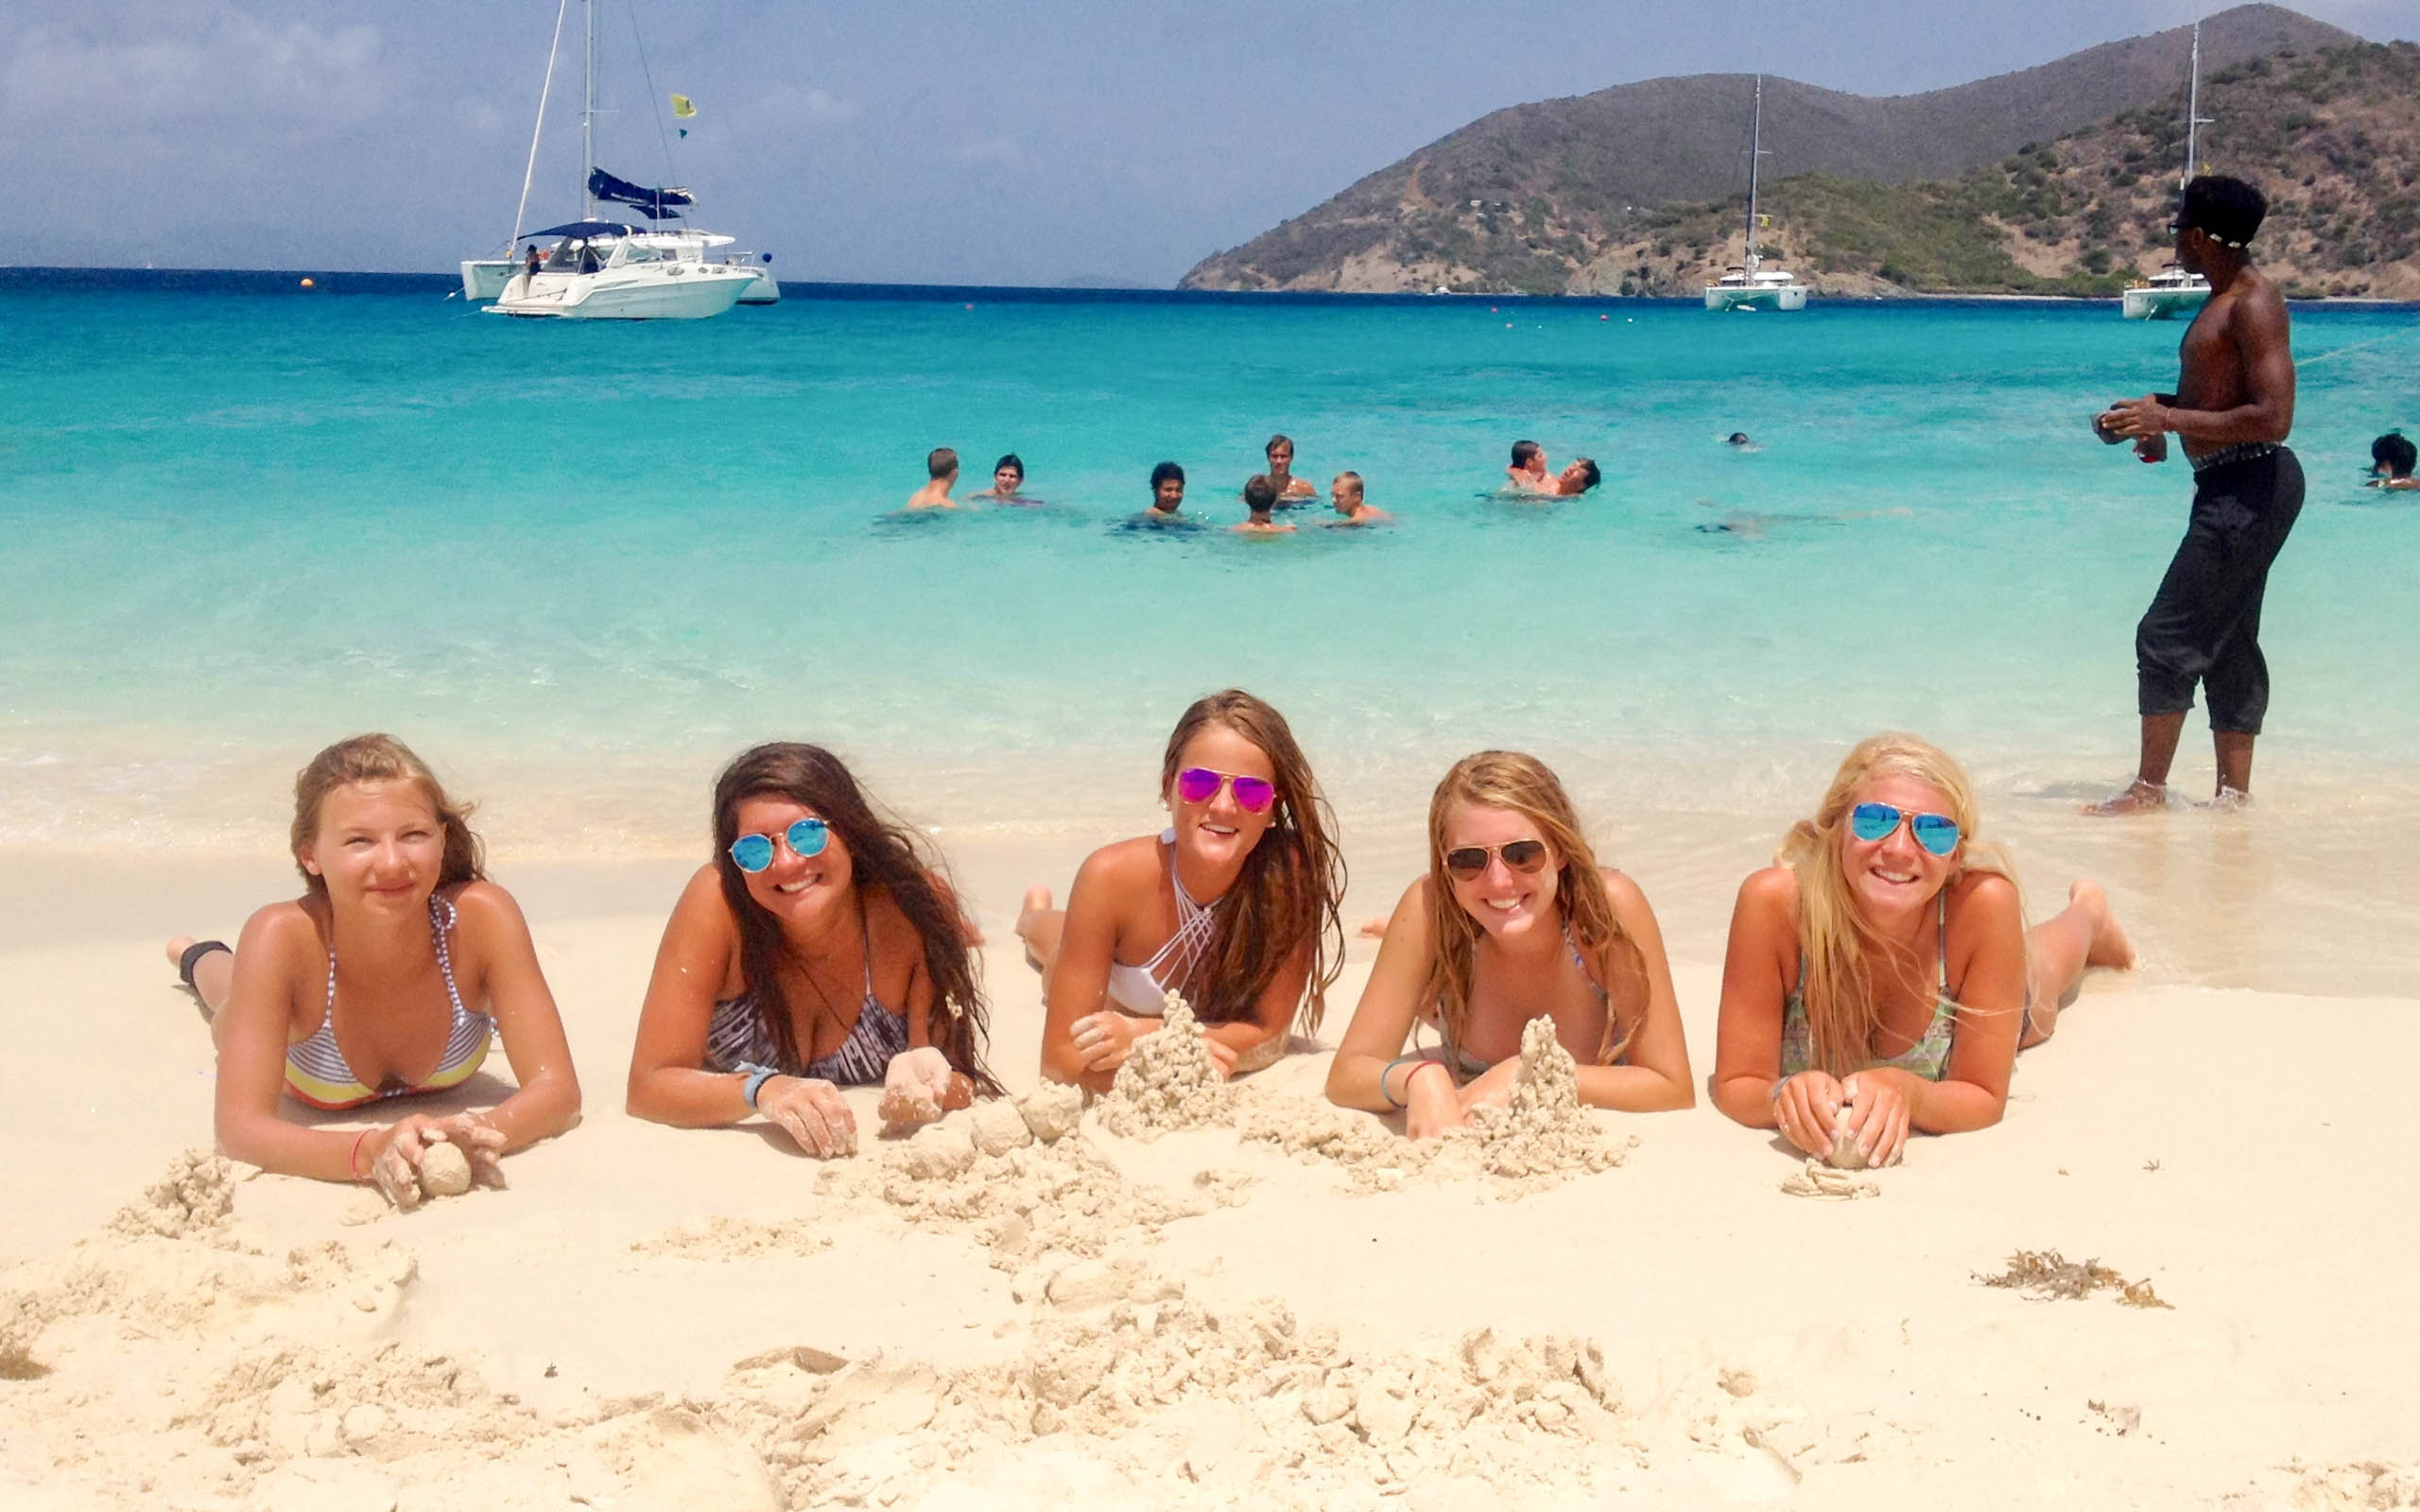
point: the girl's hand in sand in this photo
(1222, 1055)
(1809, 1105)
(1105, 1038)
(1432, 1104)
(1492, 1087)
(482, 1142)
(920, 1086)
(810, 1110)
(1876, 1115)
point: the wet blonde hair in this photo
(1836, 943)
(1511, 780)
(382, 758)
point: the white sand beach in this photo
(660, 1318)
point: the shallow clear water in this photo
(577, 565)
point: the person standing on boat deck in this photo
(533, 259)
(2233, 407)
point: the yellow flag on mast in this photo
(682, 108)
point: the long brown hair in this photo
(1523, 783)
(1836, 944)
(1292, 889)
(884, 853)
(382, 758)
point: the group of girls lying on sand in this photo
(1878, 978)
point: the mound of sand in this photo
(1168, 1081)
(1540, 1137)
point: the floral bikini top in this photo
(1928, 1057)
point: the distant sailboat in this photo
(614, 269)
(2173, 291)
(1752, 285)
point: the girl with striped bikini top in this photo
(1515, 921)
(436, 961)
(820, 949)
(1234, 906)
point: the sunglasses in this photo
(1936, 832)
(753, 853)
(1200, 785)
(1524, 856)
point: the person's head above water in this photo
(2225, 213)
(1007, 474)
(1167, 488)
(1581, 475)
(1524, 452)
(1260, 495)
(1345, 492)
(2393, 455)
(1738, 438)
(1280, 451)
(941, 462)
(380, 766)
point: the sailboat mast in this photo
(588, 116)
(1755, 152)
(2193, 104)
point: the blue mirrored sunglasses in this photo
(754, 852)
(1936, 832)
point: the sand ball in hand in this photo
(1845, 1156)
(445, 1171)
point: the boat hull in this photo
(1793, 297)
(2161, 304)
(483, 279)
(689, 291)
(761, 288)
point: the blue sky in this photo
(1042, 143)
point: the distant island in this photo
(2056, 180)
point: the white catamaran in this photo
(2173, 291)
(1752, 285)
(601, 269)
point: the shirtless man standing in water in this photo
(2234, 405)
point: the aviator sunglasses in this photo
(753, 853)
(1524, 856)
(1200, 785)
(1936, 832)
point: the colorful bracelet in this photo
(1386, 1096)
(755, 1082)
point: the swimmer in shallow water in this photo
(1344, 495)
(1260, 497)
(2392, 458)
(1527, 474)
(1739, 440)
(942, 466)
(1291, 490)
(1167, 500)
(1577, 478)
(1008, 483)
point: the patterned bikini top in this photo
(316, 1071)
(1928, 1057)
(738, 1038)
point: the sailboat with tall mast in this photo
(612, 269)
(1750, 284)
(2174, 291)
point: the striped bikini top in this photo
(738, 1038)
(1928, 1057)
(316, 1071)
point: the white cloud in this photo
(992, 149)
(793, 108)
(184, 69)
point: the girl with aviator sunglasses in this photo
(1879, 977)
(1513, 921)
(1234, 906)
(820, 948)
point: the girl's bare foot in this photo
(1037, 907)
(2110, 947)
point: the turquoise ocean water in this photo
(578, 565)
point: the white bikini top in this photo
(1142, 990)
